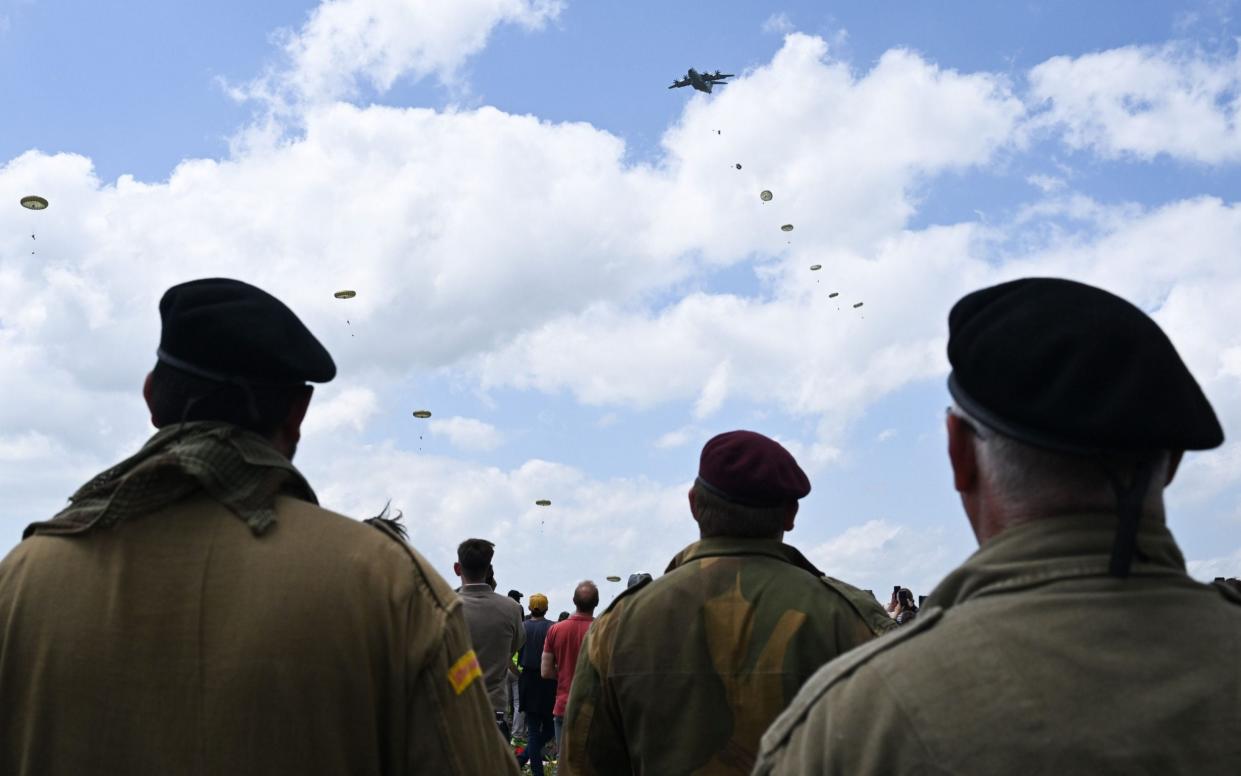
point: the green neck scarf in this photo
(237, 468)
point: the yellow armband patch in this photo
(464, 672)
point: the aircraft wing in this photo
(719, 76)
(679, 84)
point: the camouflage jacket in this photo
(1031, 659)
(683, 674)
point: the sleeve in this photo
(519, 636)
(452, 727)
(593, 739)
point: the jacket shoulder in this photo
(863, 603)
(839, 670)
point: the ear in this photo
(790, 516)
(693, 507)
(1174, 463)
(962, 455)
(146, 395)
(291, 429)
(456, 569)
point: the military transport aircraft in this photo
(701, 81)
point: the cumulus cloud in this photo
(468, 434)
(347, 43)
(879, 553)
(1143, 101)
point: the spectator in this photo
(906, 610)
(560, 651)
(562, 617)
(194, 610)
(517, 720)
(682, 674)
(538, 694)
(1072, 641)
(494, 621)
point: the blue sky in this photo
(554, 253)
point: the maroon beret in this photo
(750, 469)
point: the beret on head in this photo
(750, 469)
(1068, 367)
(226, 330)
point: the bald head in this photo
(586, 597)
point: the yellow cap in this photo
(538, 601)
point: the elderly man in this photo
(683, 674)
(1072, 641)
(563, 645)
(193, 609)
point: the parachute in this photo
(859, 304)
(765, 195)
(786, 228)
(738, 165)
(613, 578)
(543, 502)
(816, 267)
(34, 202)
(833, 295)
(345, 294)
(422, 414)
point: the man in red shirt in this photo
(560, 649)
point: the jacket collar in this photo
(1053, 548)
(732, 546)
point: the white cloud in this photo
(1046, 183)
(778, 23)
(887, 435)
(350, 407)
(1144, 101)
(468, 434)
(1226, 566)
(345, 42)
(714, 391)
(678, 438)
(879, 553)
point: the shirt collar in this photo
(1051, 548)
(476, 587)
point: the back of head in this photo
(475, 556)
(748, 485)
(232, 352)
(586, 597)
(538, 605)
(1077, 401)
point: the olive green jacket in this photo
(1030, 659)
(179, 642)
(683, 674)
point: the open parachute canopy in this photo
(816, 267)
(543, 502)
(422, 414)
(345, 294)
(786, 228)
(833, 295)
(613, 578)
(859, 304)
(765, 195)
(34, 202)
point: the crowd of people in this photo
(193, 610)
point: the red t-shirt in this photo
(563, 642)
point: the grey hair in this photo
(1032, 479)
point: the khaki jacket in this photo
(180, 643)
(1030, 659)
(683, 674)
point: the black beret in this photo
(1065, 366)
(227, 330)
(750, 469)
